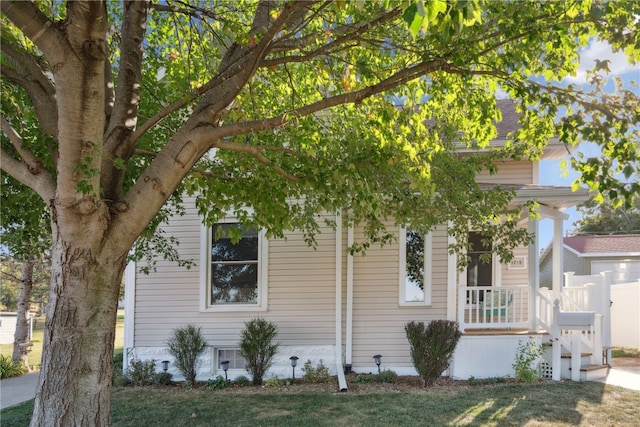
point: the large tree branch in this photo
(42, 183)
(238, 59)
(36, 26)
(401, 77)
(340, 35)
(25, 71)
(124, 114)
(33, 164)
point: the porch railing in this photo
(493, 307)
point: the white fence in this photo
(625, 315)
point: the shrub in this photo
(186, 346)
(141, 373)
(319, 374)
(387, 376)
(242, 381)
(273, 382)
(526, 365)
(257, 347)
(162, 378)
(10, 368)
(219, 383)
(432, 347)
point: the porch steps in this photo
(593, 372)
(568, 355)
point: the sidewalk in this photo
(625, 372)
(16, 390)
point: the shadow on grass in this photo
(567, 403)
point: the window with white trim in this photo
(415, 268)
(234, 274)
(233, 356)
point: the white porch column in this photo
(558, 265)
(534, 273)
(557, 246)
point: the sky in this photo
(550, 171)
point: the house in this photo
(342, 309)
(592, 255)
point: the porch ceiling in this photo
(553, 197)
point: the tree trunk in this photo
(75, 377)
(21, 335)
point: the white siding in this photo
(509, 173)
(301, 293)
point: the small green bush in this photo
(387, 376)
(527, 363)
(162, 378)
(141, 373)
(218, 383)
(242, 381)
(257, 347)
(9, 368)
(273, 382)
(432, 347)
(186, 346)
(319, 374)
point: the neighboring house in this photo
(8, 323)
(619, 254)
(593, 255)
(341, 308)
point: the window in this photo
(415, 268)
(236, 361)
(235, 276)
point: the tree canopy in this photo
(603, 218)
(276, 110)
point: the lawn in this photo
(37, 337)
(548, 404)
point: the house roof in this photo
(626, 244)
(554, 149)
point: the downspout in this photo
(349, 327)
(129, 312)
(452, 289)
(342, 381)
(452, 272)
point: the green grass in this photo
(624, 352)
(35, 355)
(548, 404)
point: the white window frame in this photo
(205, 274)
(217, 369)
(428, 270)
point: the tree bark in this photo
(21, 335)
(75, 377)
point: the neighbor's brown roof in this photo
(604, 244)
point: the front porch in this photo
(573, 321)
